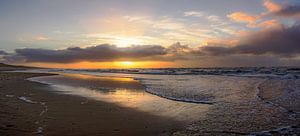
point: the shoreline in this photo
(33, 107)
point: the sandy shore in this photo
(29, 108)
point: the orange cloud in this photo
(269, 24)
(244, 17)
(272, 6)
(219, 41)
(253, 20)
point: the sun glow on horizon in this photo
(127, 63)
(103, 65)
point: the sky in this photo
(150, 34)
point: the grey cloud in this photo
(101, 53)
(178, 48)
(177, 51)
(289, 11)
(281, 41)
(214, 50)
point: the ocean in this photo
(255, 100)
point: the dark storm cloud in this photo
(289, 11)
(282, 41)
(103, 52)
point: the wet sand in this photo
(29, 108)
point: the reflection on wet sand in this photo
(89, 77)
(126, 92)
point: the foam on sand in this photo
(27, 100)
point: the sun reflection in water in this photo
(100, 78)
(132, 98)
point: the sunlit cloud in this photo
(269, 24)
(244, 18)
(267, 19)
(272, 6)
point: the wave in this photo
(197, 85)
(283, 72)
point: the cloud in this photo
(167, 23)
(282, 10)
(283, 41)
(272, 6)
(273, 23)
(213, 18)
(177, 51)
(194, 14)
(99, 53)
(289, 11)
(244, 18)
(263, 20)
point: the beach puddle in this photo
(125, 92)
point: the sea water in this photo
(265, 98)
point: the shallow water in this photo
(125, 92)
